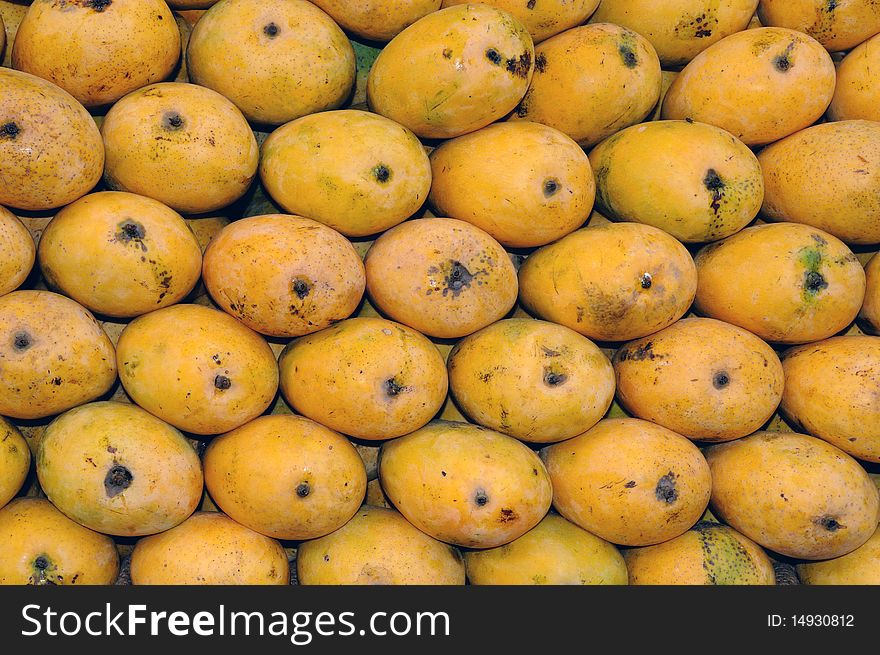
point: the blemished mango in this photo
(197, 368)
(444, 277)
(53, 354)
(534, 380)
(524, 183)
(283, 275)
(554, 552)
(836, 24)
(869, 314)
(377, 20)
(629, 481)
(276, 60)
(181, 144)
(378, 546)
(50, 148)
(708, 554)
(542, 19)
(794, 494)
(98, 50)
(285, 476)
(592, 81)
(354, 171)
(366, 377)
(612, 282)
(817, 290)
(191, 4)
(221, 552)
(120, 254)
(15, 461)
(760, 85)
(835, 191)
(830, 392)
(855, 95)
(117, 469)
(41, 546)
(17, 252)
(679, 30)
(453, 71)
(465, 484)
(859, 567)
(692, 180)
(705, 379)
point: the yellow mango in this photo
(17, 252)
(15, 461)
(856, 95)
(542, 19)
(836, 24)
(859, 567)
(377, 20)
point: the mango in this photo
(859, 567)
(817, 290)
(465, 484)
(612, 282)
(283, 275)
(705, 379)
(629, 481)
(285, 476)
(554, 552)
(378, 546)
(869, 314)
(794, 494)
(377, 20)
(524, 183)
(196, 368)
(115, 468)
(276, 60)
(760, 85)
(836, 25)
(209, 549)
(692, 180)
(453, 71)
(545, 19)
(17, 252)
(15, 461)
(41, 546)
(855, 95)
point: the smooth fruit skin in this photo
(830, 392)
(707, 554)
(453, 71)
(592, 81)
(817, 290)
(444, 277)
(855, 95)
(197, 368)
(554, 552)
(276, 60)
(181, 144)
(53, 354)
(41, 546)
(377, 20)
(545, 19)
(50, 148)
(378, 546)
(524, 183)
(705, 379)
(838, 25)
(98, 51)
(629, 481)
(119, 470)
(285, 476)
(859, 567)
(120, 254)
(17, 252)
(793, 494)
(826, 176)
(679, 30)
(692, 180)
(15, 461)
(283, 275)
(209, 549)
(464, 484)
(869, 314)
(366, 377)
(611, 282)
(760, 85)
(537, 381)
(354, 171)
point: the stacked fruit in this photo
(435, 292)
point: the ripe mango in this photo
(859, 567)
(542, 19)
(869, 314)
(855, 95)
(15, 461)
(377, 20)
(17, 252)
(836, 25)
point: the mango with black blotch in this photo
(836, 24)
